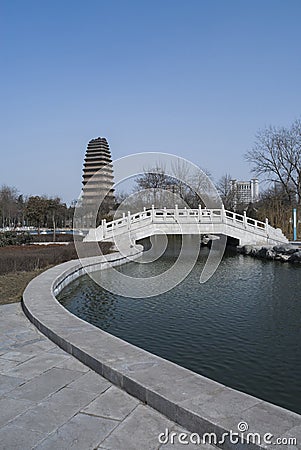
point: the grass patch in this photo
(28, 258)
(20, 264)
(12, 285)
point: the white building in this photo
(245, 191)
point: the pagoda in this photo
(98, 164)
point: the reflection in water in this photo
(241, 328)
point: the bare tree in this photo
(8, 206)
(193, 184)
(151, 186)
(184, 186)
(226, 191)
(277, 156)
(274, 204)
(53, 210)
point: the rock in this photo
(282, 258)
(246, 249)
(260, 253)
(266, 253)
(295, 257)
(283, 253)
(270, 254)
(285, 249)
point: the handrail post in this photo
(245, 219)
(129, 220)
(200, 213)
(267, 229)
(153, 212)
(104, 227)
(176, 211)
(223, 213)
(164, 212)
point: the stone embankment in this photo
(284, 253)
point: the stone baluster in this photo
(245, 219)
(223, 214)
(129, 220)
(200, 213)
(104, 227)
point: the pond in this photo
(241, 328)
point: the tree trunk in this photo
(54, 229)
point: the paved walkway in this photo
(49, 400)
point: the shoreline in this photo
(286, 253)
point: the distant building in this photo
(98, 164)
(245, 191)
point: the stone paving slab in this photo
(8, 383)
(10, 408)
(45, 384)
(51, 401)
(113, 404)
(91, 382)
(71, 435)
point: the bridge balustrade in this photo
(188, 216)
(169, 215)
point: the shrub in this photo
(14, 238)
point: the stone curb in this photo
(195, 402)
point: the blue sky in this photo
(196, 78)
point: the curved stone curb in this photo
(195, 402)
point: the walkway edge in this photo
(195, 402)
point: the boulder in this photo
(270, 254)
(295, 257)
(255, 250)
(285, 249)
(246, 249)
(282, 258)
(266, 253)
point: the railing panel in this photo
(239, 218)
(261, 225)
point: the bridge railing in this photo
(245, 221)
(255, 226)
(185, 215)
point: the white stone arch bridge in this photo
(184, 221)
